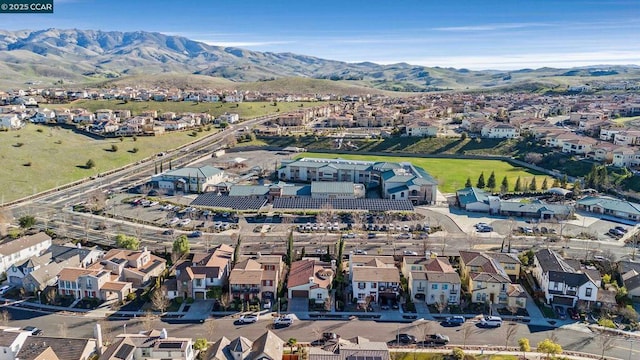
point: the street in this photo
(582, 339)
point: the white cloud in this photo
(491, 27)
(244, 44)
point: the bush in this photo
(90, 164)
(131, 296)
(39, 130)
(457, 354)
(608, 323)
(190, 300)
(179, 300)
(114, 148)
(134, 150)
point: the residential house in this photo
(627, 137)
(10, 121)
(376, 281)
(149, 345)
(43, 116)
(351, 349)
(488, 282)
(11, 341)
(630, 275)
(256, 278)
(607, 206)
(91, 283)
(579, 146)
(311, 279)
(625, 157)
(432, 280)
(87, 255)
(229, 118)
(562, 284)
(138, 267)
(421, 129)
(17, 272)
(267, 347)
(509, 262)
(203, 271)
(52, 348)
(17, 251)
(47, 275)
(189, 179)
(500, 131)
(535, 210)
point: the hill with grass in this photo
(56, 56)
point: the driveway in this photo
(199, 309)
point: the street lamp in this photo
(125, 328)
(39, 297)
(630, 348)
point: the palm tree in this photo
(291, 343)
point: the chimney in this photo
(259, 254)
(79, 246)
(333, 265)
(144, 249)
(310, 279)
(163, 334)
(97, 333)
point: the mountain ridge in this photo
(78, 56)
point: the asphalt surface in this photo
(79, 326)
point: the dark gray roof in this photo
(229, 202)
(8, 337)
(550, 261)
(65, 348)
(570, 279)
(343, 204)
(61, 253)
(470, 195)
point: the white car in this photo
(174, 221)
(283, 321)
(184, 222)
(248, 319)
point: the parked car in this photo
(33, 330)
(573, 314)
(168, 232)
(620, 228)
(4, 289)
(436, 339)
(490, 322)
(330, 336)
(616, 232)
(562, 314)
(406, 339)
(485, 228)
(248, 319)
(283, 321)
(195, 234)
(454, 321)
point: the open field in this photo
(57, 156)
(452, 173)
(245, 110)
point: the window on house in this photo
(361, 285)
(445, 286)
(319, 296)
(588, 291)
(478, 297)
(434, 286)
(373, 285)
(361, 296)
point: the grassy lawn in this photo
(452, 173)
(57, 156)
(624, 120)
(245, 110)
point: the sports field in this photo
(452, 174)
(38, 157)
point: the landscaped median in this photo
(480, 352)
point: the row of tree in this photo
(520, 185)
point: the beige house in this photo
(374, 281)
(256, 278)
(310, 279)
(432, 280)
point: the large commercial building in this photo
(396, 181)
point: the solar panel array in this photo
(214, 200)
(343, 204)
(354, 357)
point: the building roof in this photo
(63, 252)
(332, 187)
(611, 204)
(534, 208)
(442, 277)
(14, 246)
(8, 337)
(246, 272)
(471, 195)
(206, 171)
(268, 346)
(505, 258)
(377, 274)
(64, 348)
(303, 270)
(549, 260)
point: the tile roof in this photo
(8, 337)
(246, 272)
(383, 274)
(301, 271)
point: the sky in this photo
(477, 35)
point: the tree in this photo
(114, 148)
(96, 201)
(5, 317)
(201, 344)
(181, 245)
(231, 141)
(545, 186)
(510, 332)
(564, 181)
(504, 186)
(481, 184)
(523, 343)
(518, 186)
(534, 185)
(577, 188)
(457, 354)
(90, 164)
(291, 343)
(290, 254)
(533, 158)
(491, 183)
(468, 183)
(606, 343)
(236, 250)
(159, 299)
(556, 183)
(127, 242)
(549, 347)
(27, 221)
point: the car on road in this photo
(485, 228)
(361, 252)
(283, 321)
(435, 340)
(410, 253)
(453, 321)
(168, 232)
(330, 336)
(195, 234)
(248, 319)
(490, 322)
(406, 339)
(33, 330)
(349, 236)
(404, 236)
(4, 289)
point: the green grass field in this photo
(452, 174)
(245, 110)
(57, 156)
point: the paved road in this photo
(582, 340)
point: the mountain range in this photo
(89, 56)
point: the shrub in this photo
(39, 130)
(131, 296)
(200, 344)
(608, 323)
(179, 300)
(114, 148)
(457, 354)
(134, 150)
(190, 300)
(90, 164)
